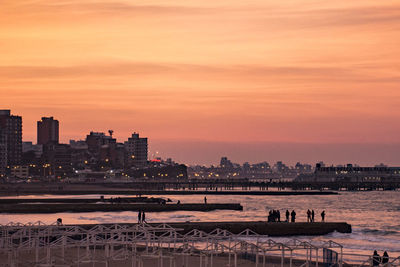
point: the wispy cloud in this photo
(164, 71)
(290, 16)
(268, 70)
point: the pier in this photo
(116, 191)
(152, 188)
(186, 187)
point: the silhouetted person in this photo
(293, 214)
(323, 216)
(287, 215)
(143, 217)
(312, 216)
(376, 259)
(205, 200)
(385, 258)
(179, 202)
(278, 215)
(308, 215)
(139, 217)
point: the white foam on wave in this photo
(178, 216)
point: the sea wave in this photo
(180, 216)
(109, 218)
(379, 232)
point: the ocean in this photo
(374, 216)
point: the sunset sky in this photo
(294, 80)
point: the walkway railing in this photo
(38, 244)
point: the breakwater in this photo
(83, 200)
(89, 207)
(270, 229)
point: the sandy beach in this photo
(97, 259)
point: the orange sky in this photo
(301, 71)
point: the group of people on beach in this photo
(141, 217)
(275, 216)
(377, 260)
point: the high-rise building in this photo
(47, 131)
(136, 149)
(58, 160)
(95, 140)
(225, 163)
(103, 151)
(3, 151)
(30, 147)
(12, 134)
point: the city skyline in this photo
(226, 78)
(291, 153)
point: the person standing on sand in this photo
(323, 216)
(287, 216)
(312, 215)
(139, 217)
(385, 258)
(143, 217)
(376, 259)
(205, 200)
(308, 215)
(293, 216)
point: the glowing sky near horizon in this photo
(216, 71)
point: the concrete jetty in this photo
(270, 229)
(261, 227)
(89, 207)
(84, 200)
